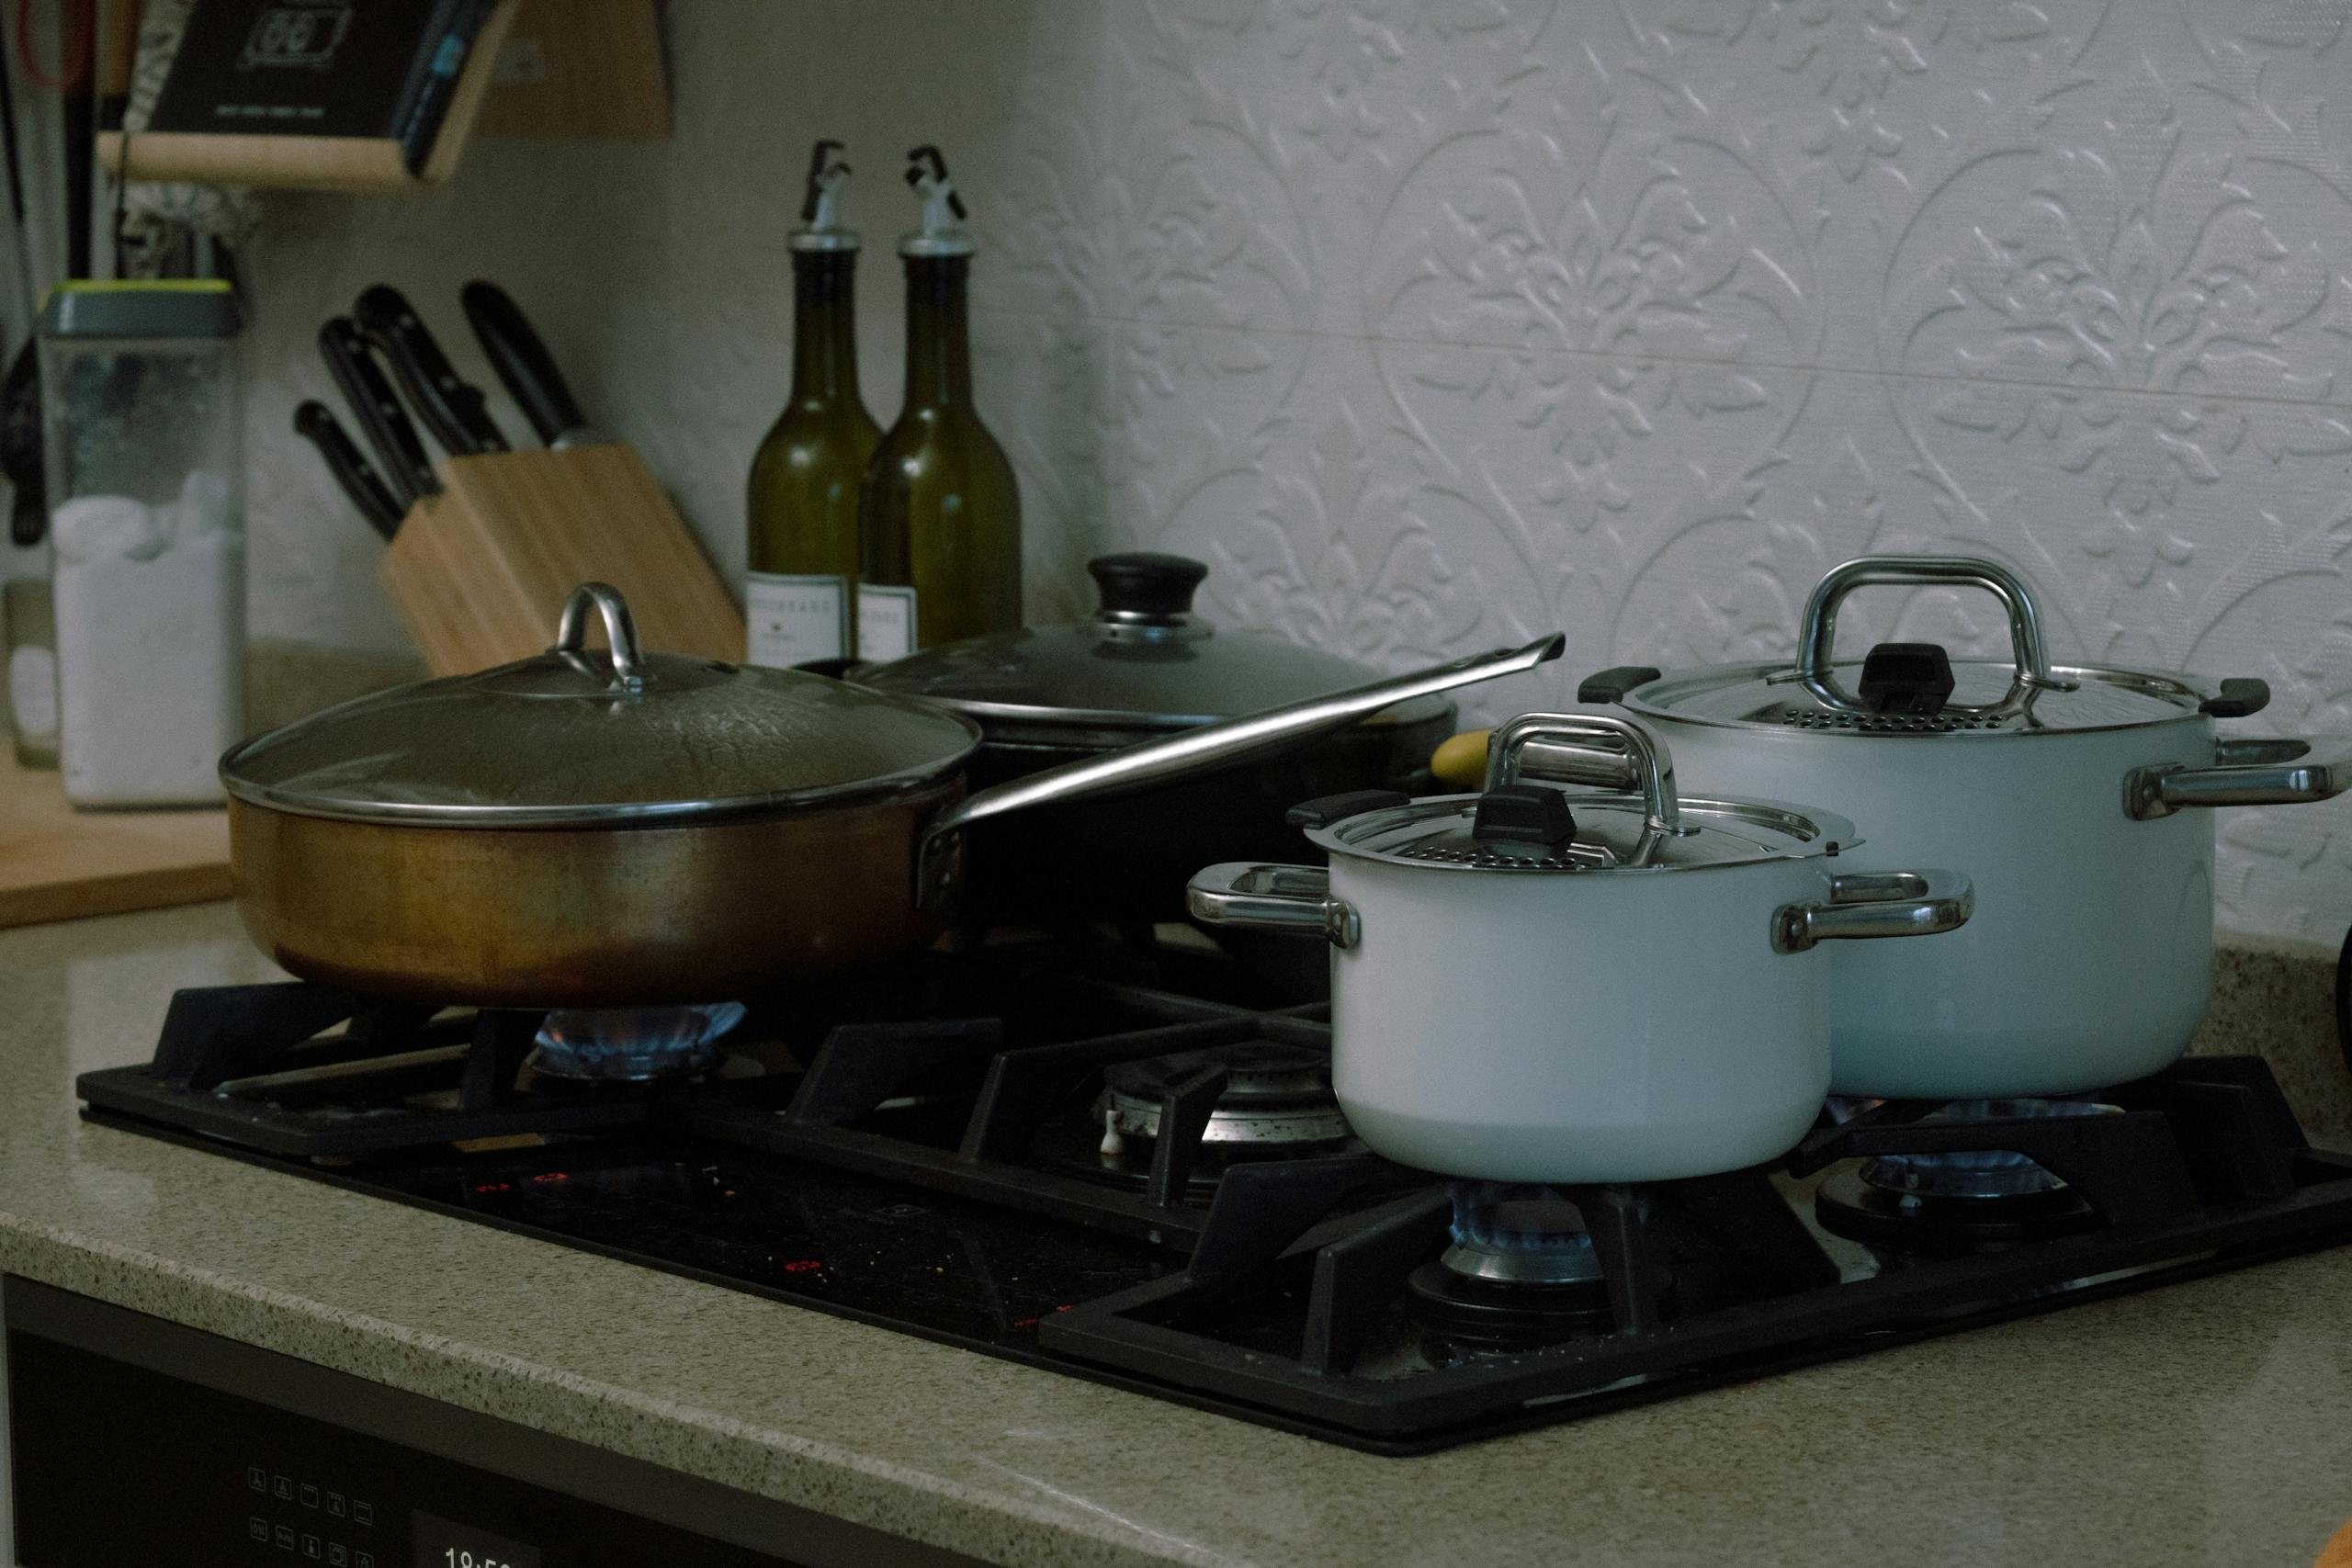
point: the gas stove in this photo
(1124, 1162)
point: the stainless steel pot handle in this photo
(1191, 752)
(1295, 899)
(1875, 904)
(2252, 771)
(620, 631)
(1589, 748)
(1819, 628)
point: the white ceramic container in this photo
(1530, 986)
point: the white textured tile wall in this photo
(1434, 323)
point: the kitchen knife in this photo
(452, 409)
(351, 469)
(528, 370)
(407, 472)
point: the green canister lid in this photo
(186, 308)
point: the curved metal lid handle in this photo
(2027, 646)
(1591, 749)
(620, 631)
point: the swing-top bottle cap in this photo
(942, 232)
(821, 228)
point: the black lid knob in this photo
(1326, 809)
(1523, 814)
(1147, 583)
(1906, 677)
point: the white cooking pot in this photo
(2060, 788)
(1528, 986)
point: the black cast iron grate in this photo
(919, 1123)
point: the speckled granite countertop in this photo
(2209, 1423)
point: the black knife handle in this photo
(452, 409)
(522, 360)
(407, 472)
(350, 468)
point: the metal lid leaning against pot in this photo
(578, 738)
(1516, 828)
(1144, 665)
(1914, 688)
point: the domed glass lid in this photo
(1145, 664)
(580, 737)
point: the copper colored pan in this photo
(595, 829)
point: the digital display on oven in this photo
(441, 1544)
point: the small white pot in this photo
(2060, 789)
(1636, 1002)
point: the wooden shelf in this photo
(541, 68)
(316, 163)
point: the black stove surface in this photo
(969, 1150)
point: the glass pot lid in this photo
(576, 737)
(1911, 688)
(1145, 664)
(1518, 828)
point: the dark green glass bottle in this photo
(800, 506)
(940, 517)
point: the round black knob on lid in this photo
(1144, 585)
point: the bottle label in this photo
(32, 692)
(886, 621)
(794, 619)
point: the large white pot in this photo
(1637, 1001)
(2090, 961)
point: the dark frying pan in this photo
(616, 829)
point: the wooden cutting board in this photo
(57, 864)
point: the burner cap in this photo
(1988, 1173)
(1515, 1233)
(1274, 1094)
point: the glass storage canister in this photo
(31, 634)
(144, 445)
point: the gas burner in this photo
(1966, 1201)
(1274, 1103)
(1520, 1271)
(1508, 1234)
(1944, 1227)
(1275, 1096)
(1470, 1314)
(1978, 1173)
(632, 1044)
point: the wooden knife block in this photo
(481, 571)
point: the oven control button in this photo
(257, 1478)
(335, 1504)
(284, 1537)
(257, 1528)
(363, 1560)
(362, 1513)
(313, 1548)
(338, 1556)
(310, 1496)
(284, 1486)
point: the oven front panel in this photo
(137, 1443)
